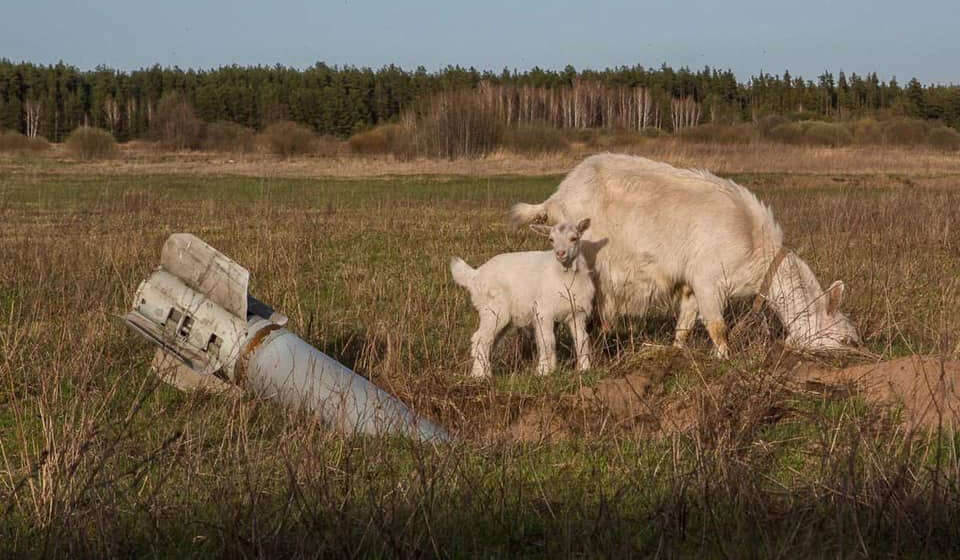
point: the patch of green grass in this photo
(65, 191)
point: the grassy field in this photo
(97, 458)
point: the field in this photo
(710, 458)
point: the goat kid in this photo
(532, 289)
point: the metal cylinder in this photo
(280, 365)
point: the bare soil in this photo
(920, 391)
(915, 392)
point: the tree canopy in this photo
(53, 100)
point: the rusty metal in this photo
(240, 367)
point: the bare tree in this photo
(685, 112)
(583, 104)
(112, 110)
(32, 109)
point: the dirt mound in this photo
(611, 404)
(924, 389)
(920, 391)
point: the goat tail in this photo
(522, 214)
(462, 273)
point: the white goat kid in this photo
(532, 288)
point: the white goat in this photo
(532, 288)
(658, 230)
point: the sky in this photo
(892, 38)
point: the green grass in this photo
(102, 461)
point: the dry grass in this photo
(726, 159)
(97, 459)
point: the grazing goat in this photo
(659, 231)
(532, 288)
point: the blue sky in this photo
(904, 39)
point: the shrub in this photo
(226, 136)
(14, 142)
(770, 122)
(623, 138)
(534, 139)
(287, 139)
(944, 138)
(37, 144)
(905, 132)
(88, 142)
(866, 131)
(379, 141)
(720, 134)
(787, 133)
(819, 133)
(586, 136)
(175, 125)
(327, 146)
(811, 133)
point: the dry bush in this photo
(905, 132)
(386, 139)
(455, 124)
(624, 139)
(175, 125)
(534, 139)
(88, 142)
(769, 122)
(12, 141)
(287, 139)
(944, 138)
(37, 144)
(327, 146)
(811, 133)
(819, 133)
(866, 131)
(225, 136)
(370, 142)
(787, 133)
(602, 139)
(589, 137)
(743, 133)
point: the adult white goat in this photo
(532, 288)
(660, 231)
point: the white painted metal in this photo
(195, 307)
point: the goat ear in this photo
(834, 297)
(541, 229)
(583, 225)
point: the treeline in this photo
(51, 101)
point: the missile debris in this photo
(210, 333)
